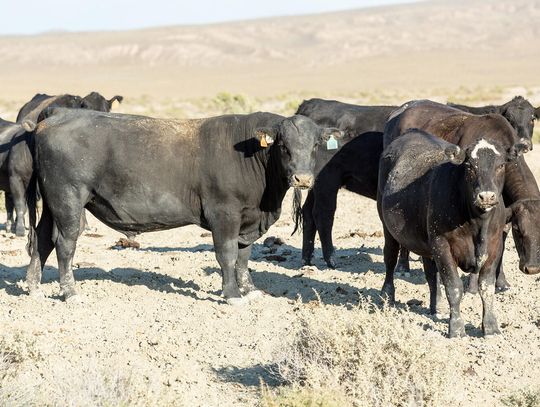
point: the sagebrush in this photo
(368, 356)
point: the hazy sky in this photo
(35, 16)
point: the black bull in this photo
(227, 174)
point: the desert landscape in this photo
(152, 328)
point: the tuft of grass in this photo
(16, 349)
(95, 386)
(523, 398)
(232, 103)
(365, 356)
(302, 397)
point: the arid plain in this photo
(152, 328)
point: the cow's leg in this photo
(486, 282)
(453, 286)
(435, 294)
(68, 232)
(391, 252)
(18, 191)
(40, 249)
(84, 222)
(501, 284)
(243, 278)
(225, 226)
(472, 287)
(324, 209)
(8, 199)
(402, 267)
(309, 229)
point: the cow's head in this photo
(521, 115)
(295, 141)
(526, 232)
(96, 101)
(485, 163)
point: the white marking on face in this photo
(483, 144)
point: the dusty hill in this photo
(445, 43)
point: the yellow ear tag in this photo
(263, 142)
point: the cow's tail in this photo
(297, 210)
(31, 202)
(32, 195)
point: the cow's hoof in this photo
(9, 227)
(254, 295)
(74, 299)
(20, 232)
(491, 331)
(402, 270)
(331, 262)
(500, 288)
(388, 293)
(36, 294)
(471, 290)
(456, 329)
(237, 301)
(306, 262)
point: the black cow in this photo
(355, 167)
(518, 111)
(317, 213)
(357, 119)
(10, 134)
(19, 161)
(227, 174)
(445, 204)
(520, 192)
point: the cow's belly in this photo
(407, 226)
(143, 213)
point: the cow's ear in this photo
(266, 136)
(331, 132)
(516, 151)
(115, 98)
(537, 112)
(455, 154)
(331, 137)
(508, 213)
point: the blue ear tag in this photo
(332, 143)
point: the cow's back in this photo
(163, 173)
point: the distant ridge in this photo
(479, 37)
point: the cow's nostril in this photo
(486, 196)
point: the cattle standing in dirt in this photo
(317, 213)
(10, 134)
(519, 112)
(450, 213)
(18, 168)
(520, 192)
(227, 174)
(355, 167)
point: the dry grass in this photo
(375, 357)
(523, 398)
(85, 385)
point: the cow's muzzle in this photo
(528, 269)
(486, 200)
(302, 181)
(528, 143)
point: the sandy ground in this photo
(157, 312)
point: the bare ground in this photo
(156, 315)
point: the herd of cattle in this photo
(447, 180)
